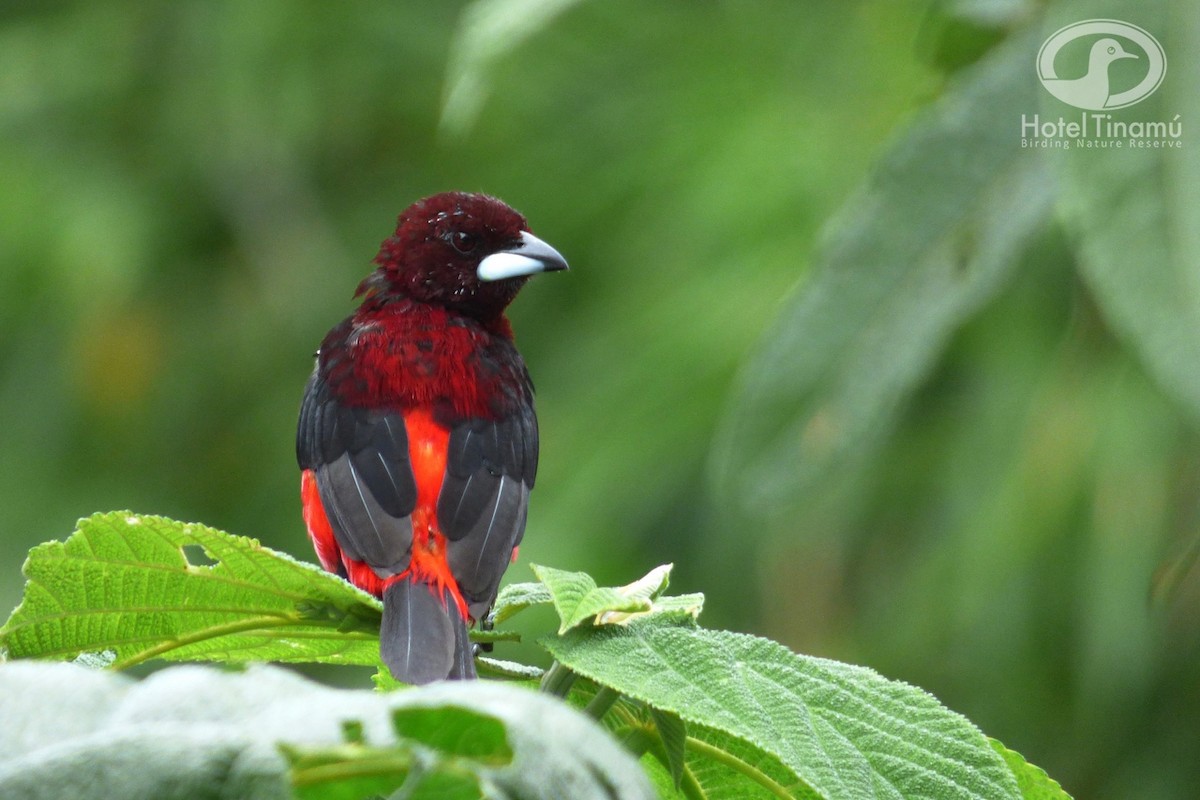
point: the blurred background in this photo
(189, 193)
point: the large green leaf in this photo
(137, 587)
(196, 732)
(933, 235)
(844, 731)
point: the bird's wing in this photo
(360, 460)
(490, 468)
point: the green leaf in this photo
(680, 607)
(194, 732)
(123, 583)
(1035, 784)
(354, 771)
(577, 598)
(507, 670)
(842, 730)
(489, 636)
(445, 785)
(725, 766)
(516, 597)
(934, 233)
(716, 765)
(455, 732)
(385, 681)
(348, 772)
(1135, 214)
(673, 732)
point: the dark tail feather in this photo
(464, 651)
(423, 639)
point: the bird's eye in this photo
(464, 242)
(1112, 50)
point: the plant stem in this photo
(557, 680)
(601, 703)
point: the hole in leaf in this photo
(195, 555)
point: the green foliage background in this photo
(189, 193)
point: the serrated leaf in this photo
(123, 583)
(195, 731)
(490, 636)
(516, 597)
(577, 597)
(679, 607)
(1033, 781)
(844, 731)
(507, 670)
(934, 233)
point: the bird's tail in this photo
(423, 637)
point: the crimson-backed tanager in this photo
(418, 441)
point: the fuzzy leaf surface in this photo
(844, 731)
(516, 597)
(577, 597)
(138, 587)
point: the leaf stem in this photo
(599, 705)
(738, 765)
(241, 626)
(557, 680)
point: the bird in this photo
(1092, 90)
(417, 437)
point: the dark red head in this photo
(468, 252)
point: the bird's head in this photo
(468, 252)
(1107, 50)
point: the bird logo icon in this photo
(1094, 90)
